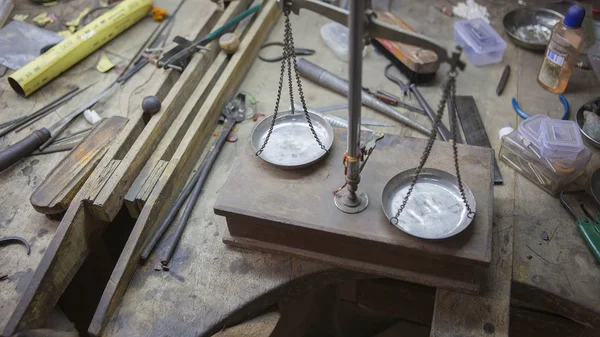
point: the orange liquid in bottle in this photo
(560, 58)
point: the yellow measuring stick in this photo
(73, 49)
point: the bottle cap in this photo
(574, 16)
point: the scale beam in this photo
(362, 23)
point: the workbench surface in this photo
(17, 216)
(208, 281)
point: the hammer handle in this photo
(24, 147)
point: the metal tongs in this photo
(373, 27)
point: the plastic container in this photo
(552, 175)
(481, 43)
(561, 140)
(529, 130)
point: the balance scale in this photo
(292, 211)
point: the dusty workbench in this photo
(17, 217)
(208, 281)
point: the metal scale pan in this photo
(435, 209)
(292, 144)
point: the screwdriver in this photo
(43, 136)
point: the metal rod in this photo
(332, 82)
(171, 215)
(206, 165)
(356, 24)
(54, 108)
(13, 121)
(47, 108)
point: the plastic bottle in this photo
(561, 54)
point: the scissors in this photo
(297, 51)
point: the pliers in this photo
(297, 51)
(525, 115)
(587, 215)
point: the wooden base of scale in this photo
(292, 212)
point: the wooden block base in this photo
(292, 212)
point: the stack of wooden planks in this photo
(147, 164)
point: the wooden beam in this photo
(80, 227)
(184, 158)
(55, 193)
(149, 174)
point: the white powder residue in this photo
(471, 10)
(534, 33)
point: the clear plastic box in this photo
(561, 140)
(529, 129)
(550, 174)
(481, 43)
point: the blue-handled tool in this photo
(177, 57)
(525, 115)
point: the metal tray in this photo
(581, 121)
(530, 28)
(435, 209)
(292, 144)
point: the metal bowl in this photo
(435, 209)
(580, 121)
(531, 28)
(292, 144)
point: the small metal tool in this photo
(404, 87)
(330, 81)
(474, 130)
(10, 240)
(298, 51)
(15, 239)
(178, 57)
(587, 215)
(503, 80)
(194, 186)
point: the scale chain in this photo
(289, 57)
(449, 92)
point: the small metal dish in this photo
(435, 209)
(580, 121)
(292, 144)
(531, 28)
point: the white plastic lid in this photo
(479, 35)
(561, 135)
(531, 127)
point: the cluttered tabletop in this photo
(124, 189)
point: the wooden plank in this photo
(149, 184)
(109, 200)
(55, 193)
(180, 125)
(185, 156)
(77, 231)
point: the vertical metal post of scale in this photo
(352, 199)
